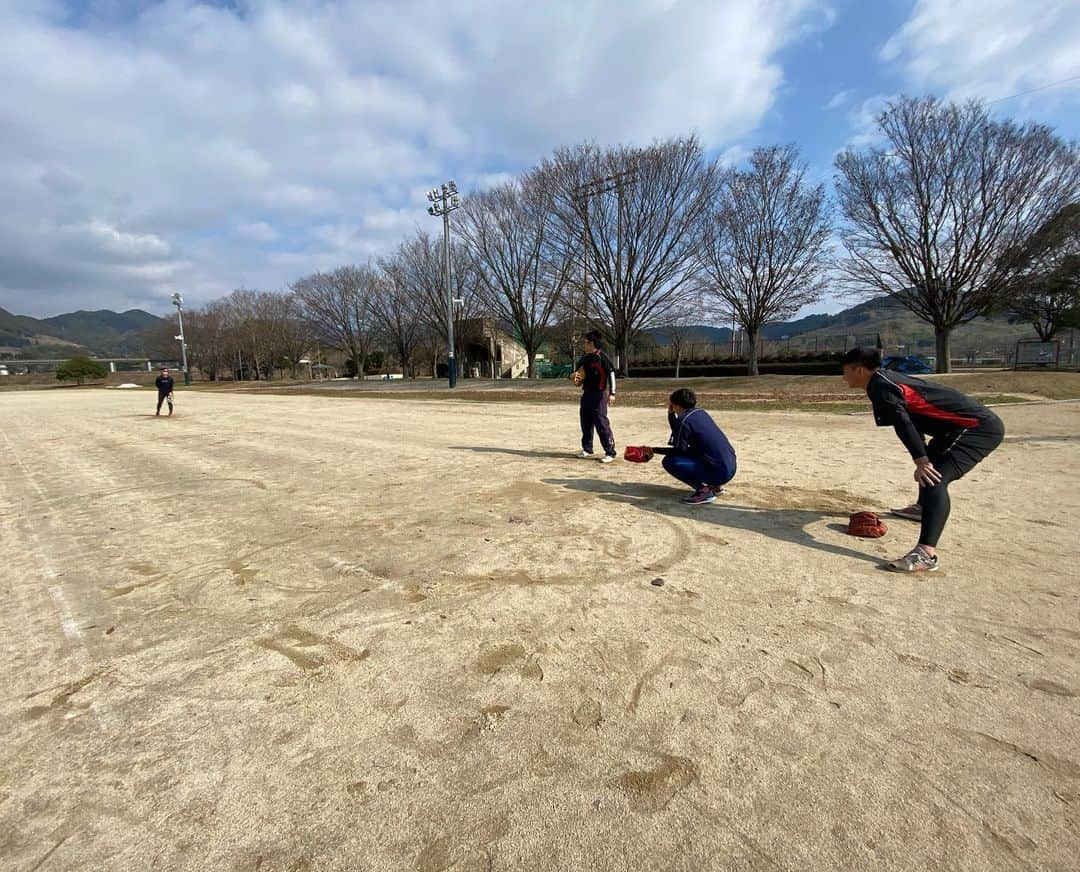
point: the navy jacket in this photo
(695, 434)
(164, 385)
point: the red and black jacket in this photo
(599, 373)
(916, 408)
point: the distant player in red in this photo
(597, 391)
(963, 432)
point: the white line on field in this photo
(56, 591)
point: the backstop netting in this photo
(1031, 353)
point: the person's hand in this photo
(925, 474)
(611, 399)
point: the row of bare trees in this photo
(950, 212)
(256, 333)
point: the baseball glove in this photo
(578, 377)
(867, 525)
(638, 453)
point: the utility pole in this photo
(581, 195)
(445, 200)
(178, 301)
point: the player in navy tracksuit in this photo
(963, 433)
(597, 391)
(701, 455)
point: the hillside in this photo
(106, 333)
(100, 332)
(863, 323)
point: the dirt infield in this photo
(314, 633)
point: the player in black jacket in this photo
(597, 391)
(963, 433)
(164, 384)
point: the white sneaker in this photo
(584, 454)
(607, 458)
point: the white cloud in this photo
(734, 155)
(195, 135)
(102, 242)
(257, 231)
(862, 119)
(839, 99)
(989, 49)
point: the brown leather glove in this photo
(867, 525)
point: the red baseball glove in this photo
(638, 453)
(867, 525)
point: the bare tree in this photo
(931, 212)
(678, 332)
(209, 340)
(635, 233)
(338, 304)
(245, 323)
(420, 259)
(764, 250)
(397, 312)
(520, 274)
(1044, 276)
(294, 330)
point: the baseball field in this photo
(319, 632)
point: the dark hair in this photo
(595, 337)
(863, 355)
(684, 398)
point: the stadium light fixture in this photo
(445, 200)
(178, 301)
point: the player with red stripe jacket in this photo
(597, 391)
(963, 432)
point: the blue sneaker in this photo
(698, 498)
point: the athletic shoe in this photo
(916, 560)
(584, 454)
(705, 495)
(911, 513)
(607, 458)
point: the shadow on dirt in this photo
(784, 524)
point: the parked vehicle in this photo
(909, 365)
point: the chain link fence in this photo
(966, 353)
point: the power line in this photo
(1033, 90)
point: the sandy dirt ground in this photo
(314, 633)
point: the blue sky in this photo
(204, 146)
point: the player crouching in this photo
(701, 455)
(964, 432)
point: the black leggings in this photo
(953, 455)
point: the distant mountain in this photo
(863, 323)
(105, 333)
(696, 333)
(102, 332)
